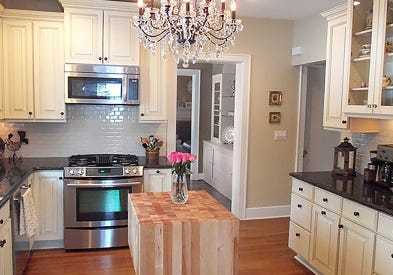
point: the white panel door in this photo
(47, 190)
(83, 35)
(356, 249)
(157, 180)
(121, 44)
(18, 68)
(324, 240)
(383, 256)
(49, 70)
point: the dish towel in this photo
(28, 222)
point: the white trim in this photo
(99, 4)
(196, 91)
(29, 14)
(1, 8)
(335, 12)
(302, 99)
(268, 212)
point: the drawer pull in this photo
(340, 226)
(356, 214)
(391, 255)
(1, 221)
(300, 188)
(325, 200)
(158, 171)
(297, 234)
(299, 205)
(2, 243)
(323, 212)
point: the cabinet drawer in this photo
(360, 214)
(303, 189)
(385, 226)
(328, 200)
(301, 212)
(4, 213)
(299, 240)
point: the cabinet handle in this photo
(158, 171)
(325, 200)
(344, 122)
(62, 113)
(299, 205)
(142, 114)
(356, 214)
(300, 188)
(30, 113)
(1, 221)
(2, 243)
(297, 234)
(340, 226)
(375, 106)
(60, 178)
(100, 58)
(323, 212)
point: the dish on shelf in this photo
(228, 135)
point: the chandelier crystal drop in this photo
(189, 29)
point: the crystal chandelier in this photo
(188, 28)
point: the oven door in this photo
(98, 203)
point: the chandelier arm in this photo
(220, 38)
(147, 35)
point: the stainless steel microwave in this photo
(101, 84)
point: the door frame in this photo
(196, 91)
(302, 106)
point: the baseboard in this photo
(199, 176)
(268, 212)
(48, 244)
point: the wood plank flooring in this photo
(262, 250)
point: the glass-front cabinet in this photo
(370, 58)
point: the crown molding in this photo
(101, 4)
(335, 12)
(1, 8)
(29, 14)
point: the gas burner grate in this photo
(124, 160)
(103, 160)
(82, 160)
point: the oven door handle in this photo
(95, 185)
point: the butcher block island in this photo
(199, 237)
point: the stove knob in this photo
(127, 171)
(81, 172)
(135, 171)
(72, 171)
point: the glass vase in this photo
(179, 190)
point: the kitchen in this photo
(83, 131)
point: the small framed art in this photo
(275, 97)
(274, 117)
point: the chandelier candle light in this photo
(187, 27)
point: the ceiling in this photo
(284, 9)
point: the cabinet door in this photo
(216, 107)
(356, 249)
(47, 190)
(18, 69)
(208, 154)
(333, 116)
(1, 72)
(152, 106)
(383, 256)
(48, 70)
(6, 265)
(121, 45)
(299, 240)
(83, 35)
(222, 171)
(157, 180)
(324, 240)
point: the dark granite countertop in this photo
(161, 163)
(353, 188)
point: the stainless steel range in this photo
(96, 189)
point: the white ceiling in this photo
(283, 9)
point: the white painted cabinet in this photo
(153, 92)
(333, 117)
(100, 36)
(6, 263)
(33, 68)
(47, 190)
(1, 71)
(383, 256)
(157, 180)
(217, 166)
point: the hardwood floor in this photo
(262, 250)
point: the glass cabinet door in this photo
(216, 107)
(362, 55)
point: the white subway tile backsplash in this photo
(89, 129)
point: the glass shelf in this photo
(360, 89)
(363, 58)
(363, 33)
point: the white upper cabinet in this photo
(369, 53)
(333, 117)
(100, 34)
(1, 71)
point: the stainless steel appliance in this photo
(101, 84)
(21, 244)
(96, 189)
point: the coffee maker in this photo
(384, 165)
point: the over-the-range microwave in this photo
(101, 84)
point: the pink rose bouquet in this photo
(181, 162)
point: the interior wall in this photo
(40, 5)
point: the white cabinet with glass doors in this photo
(370, 58)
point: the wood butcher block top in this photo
(157, 207)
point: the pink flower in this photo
(192, 157)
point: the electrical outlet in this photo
(280, 135)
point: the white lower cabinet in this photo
(157, 180)
(6, 266)
(47, 190)
(299, 240)
(383, 256)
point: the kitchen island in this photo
(199, 237)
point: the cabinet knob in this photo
(158, 171)
(142, 114)
(375, 105)
(100, 58)
(356, 214)
(323, 212)
(30, 113)
(325, 200)
(2, 243)
(344, 122)
(297, 234)
(62, 113)
(105, 58)
(1, 221)
(300, 189)
(299, 205)
(340, 226)
(60, 178)
(391, 255)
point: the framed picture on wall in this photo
(275, 97)
(274, 117)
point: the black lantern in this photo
(344, 159)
